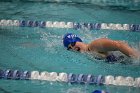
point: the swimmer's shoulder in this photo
(96, 41)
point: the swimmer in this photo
(101, 46)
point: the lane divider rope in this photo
(70, 78)
(74, 25)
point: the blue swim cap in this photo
(70, 38)
(99, 91)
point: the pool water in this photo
(42, 49)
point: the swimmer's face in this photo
(73, 47)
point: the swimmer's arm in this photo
(106, 45)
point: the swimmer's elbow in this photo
(135, 55)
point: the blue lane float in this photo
(73, 25)
(86, 79)
(82, 78)
(90, 79)
(15, 74)
(134, 28)
(31, 23)
(70, 78)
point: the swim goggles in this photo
(71, 45)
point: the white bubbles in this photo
(62, 77)
(69, 25)
(45, 75)
(129, 81)
(53, 76)
(35, 75)
(122, 81)
(109, 80)
(62, 24)
(49, 24)
(137, 82)
(119, 80)
(126, 26)
(56, 24)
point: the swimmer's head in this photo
(70, 39)
(99, 91)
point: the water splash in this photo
(51, 42)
